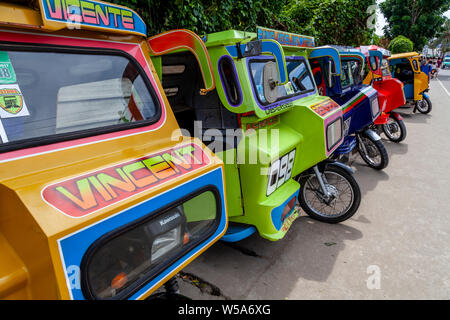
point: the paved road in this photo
(401, 233)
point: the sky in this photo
(381, 21)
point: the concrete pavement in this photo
(395, 247)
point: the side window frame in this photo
(61, 137)
(235, 79)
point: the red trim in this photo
(355, 104)
(132, 49)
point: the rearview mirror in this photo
(270, 81)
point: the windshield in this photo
(351, 73)
(385, 68)
(300, 79)
(51, 94)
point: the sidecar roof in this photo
(404, 55)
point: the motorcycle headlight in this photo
(375, 108)
(122, 261)
(334, 133)
(165, 243)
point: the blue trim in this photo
(347, 146)
(328, 52)
(237, 233)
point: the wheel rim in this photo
(392, 129)
(371, 153)
(341, 189)
(422, 105)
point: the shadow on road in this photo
(253, 265)
(410, 117)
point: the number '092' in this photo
(280, 172)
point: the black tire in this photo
(308, 189)
(424, 106)
(401, 128)
(374, 148)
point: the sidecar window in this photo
(65, 95)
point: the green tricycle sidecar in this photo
(272, 129)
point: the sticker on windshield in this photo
(12, 103)
(7, 74)
(289, 88)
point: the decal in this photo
(7, 74)
(289, 88)
(80, 196)
(285, 38)
(261, 124)
(289, 220)
(12, 103)
(92, 14)
(325, 107)
(280, 172)
(279, 108)
(363, 94)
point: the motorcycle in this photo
(390, 93)
(359, 103)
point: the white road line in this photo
(443, 87)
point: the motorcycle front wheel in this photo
(424, 106)
(373, 152)
(395, 130)
(345, 195)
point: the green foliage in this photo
(419, 20)
(343, 22)
(401, 44)
(206, 16)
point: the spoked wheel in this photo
(395, 130)
(373, 152)
(342, 201)
(424, 106)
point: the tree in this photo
(342, 22)
(401, 44)
(206, 16)
(418, 20)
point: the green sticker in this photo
(12, 103)
(7, 74)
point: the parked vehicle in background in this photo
(446, 62)
(359, 103)
(406, 68)
(390, 93)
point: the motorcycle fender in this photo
(331, 163)
(397, 116)
(372, 135)
(425, 95)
